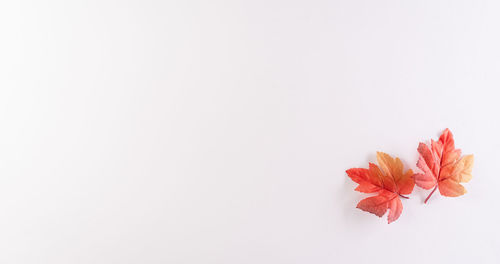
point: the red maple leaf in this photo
(442, 167)
(389, 182)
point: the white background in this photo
(220, 131)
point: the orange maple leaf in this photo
(390, 182)
(442, 167)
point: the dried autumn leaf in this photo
(442, 167)
(388, 181)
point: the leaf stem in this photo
(430, 194)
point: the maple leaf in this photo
(443, 167)
(388, 181)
